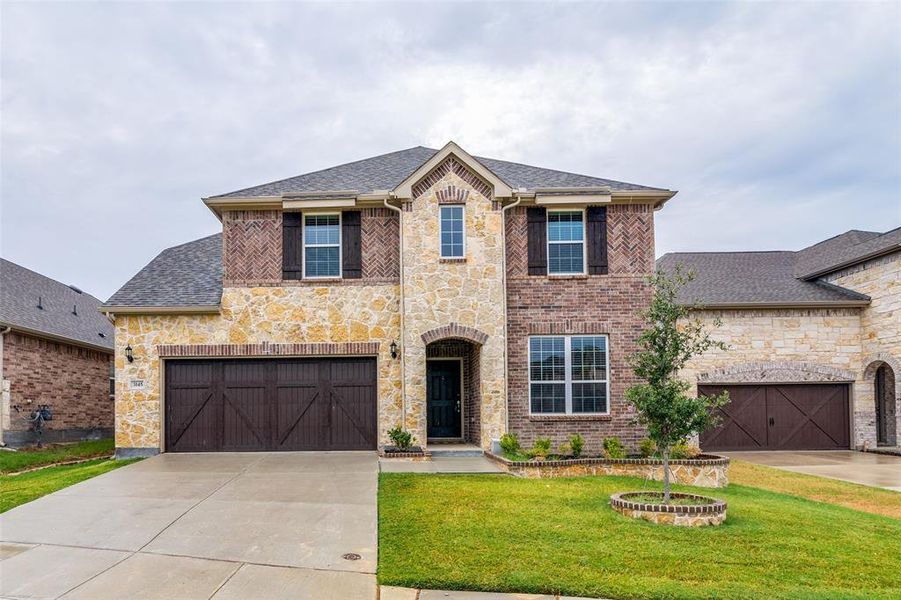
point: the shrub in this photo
(577, 443)
(401, 439)
(510, 444)
(682, 450)
(613, 448)
(647, 448)
(565, 450)
(541, 448)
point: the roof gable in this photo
(452, 151)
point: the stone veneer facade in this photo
(311, 314)
(73, 381)
(791, 345)
(439, 293)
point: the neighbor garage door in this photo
(780, 417)
(270, 405)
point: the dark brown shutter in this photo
(351, 254)
(596, 233)
(537, 233)
(292, 245)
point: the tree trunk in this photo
(666, 482)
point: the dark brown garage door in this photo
(271, 404)
(780, 417)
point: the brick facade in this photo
(252, 248)
(596, 304)
(74, 381)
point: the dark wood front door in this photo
(443, 393)
(271, 405)
(780, 417)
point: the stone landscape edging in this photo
(692, 515)
(707, 471)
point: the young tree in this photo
(671, 339)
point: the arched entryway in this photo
(453, 391)
(886, 405)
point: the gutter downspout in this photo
(506, 323)
(403, 348)
(3, 408)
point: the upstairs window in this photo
(451, 232)
(566, 242)
(568, 375)
(321, 246)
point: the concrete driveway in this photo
(877, 470)
(223, 526)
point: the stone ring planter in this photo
(712, 512)
(707, 470)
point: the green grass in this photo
(11, 462)
(19, 489)
(497, 533)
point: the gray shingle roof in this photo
(844, 250)
(20, 291)
(386, 171)
(185, 275)
(730, 278)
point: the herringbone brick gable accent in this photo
(380, 242)
(252, 246)
(452, 165)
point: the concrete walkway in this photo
(441, 464)
(877, 470)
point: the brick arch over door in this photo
(455, 331)
(874, 361)
(775, 372)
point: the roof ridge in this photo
(200, 239)
(519, 164)
(733, 252)
(51, 279)
(353, 162)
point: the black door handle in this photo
(772, 422)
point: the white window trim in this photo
(441, 229)
(568, 380)
(548, 242)
(303, 224)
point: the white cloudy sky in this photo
(779, 123)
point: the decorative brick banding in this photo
(452, 195)
(775, 372)
(455, 331)
(711, 512)
(266, 349)
(708, 470)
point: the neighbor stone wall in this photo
(274, 315)
(72, 380)
(880, 323)
(597, 304)
(469, 292)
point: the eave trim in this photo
(205, 309)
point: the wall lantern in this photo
(393, 349)
(129, 355)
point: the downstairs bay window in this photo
(568, 375)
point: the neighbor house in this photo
(455, 296)
(56, 350)
(814, 342)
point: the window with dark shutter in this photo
(596, 233)
(351, 253)
(292, 245)
(537, 242)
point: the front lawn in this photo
(477, 532)
(822, 489)
(11, 462)
(19, 489)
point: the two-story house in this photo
(456, 296)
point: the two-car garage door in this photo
(271, 404)
(780, 417)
